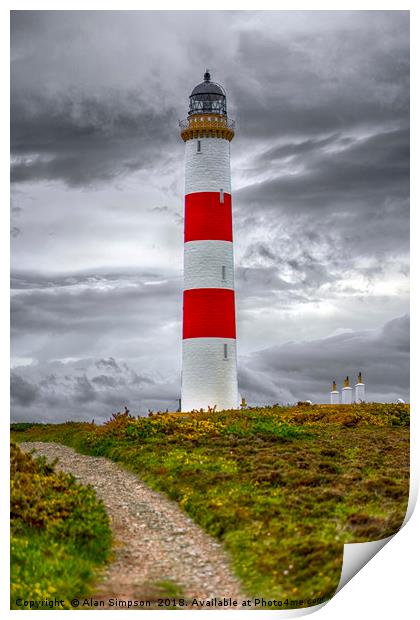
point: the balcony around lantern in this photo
(207, 121)
(207, 125)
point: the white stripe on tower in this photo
(208, 264)
(209, 368)
(209, 169)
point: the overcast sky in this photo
(320, 184)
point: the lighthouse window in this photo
(223, 273)
(198, 146)
(225, 351)
(222, 196)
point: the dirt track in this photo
(156, 543)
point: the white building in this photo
(334, 395)
(346, 392)
(359, 390)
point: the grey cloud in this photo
(104, 381)
(343, 207)
(59, 391)
(108, 364)
(396, 335)
(136, 379)
(31, 280)
(90, 309)
(96, 109)
(22, 392)
(133, 322)
(259, 279)
(369, 168)
(84, 391)
(136, 321)
(303, 148)
(82, 140)
(261, 250)
(324, 76)
(312, 272)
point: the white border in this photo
(387, 586)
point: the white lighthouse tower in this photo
(346, 393)
(209, 371)
(334, 394)
(359, 390)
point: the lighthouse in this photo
(346, 392)
(334, 394)
(209, 369)
(359, 390)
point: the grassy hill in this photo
(282, 487)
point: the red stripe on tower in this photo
(206, 217)
(209, 313)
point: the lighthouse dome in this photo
(208, 97)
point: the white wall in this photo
(208, 171)
(346, 396)
(208, 378)
(359, 393)
(335, 397)
(203, 261)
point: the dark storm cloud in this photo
(108, 364)
(366, 170)
(82, 140)
(302, 149)
(111, 365)
(61, 391)
(311, 271)
(22, 392)
(84, 392)
(313, 75)
(260, 279)
(103, 380)
(96, 95)
(349, 201)
(32, 280)
(338, 71)
(331, 109)
(81, 314)
(296, 264)
(304, 370)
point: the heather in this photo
(60, 534)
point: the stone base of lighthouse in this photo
(209, 375)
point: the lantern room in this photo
(208, 98)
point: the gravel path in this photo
(155, 540)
